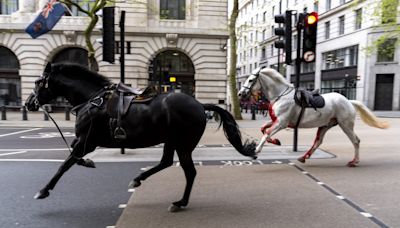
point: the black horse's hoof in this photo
(86, 163)
(134, 184)
(173, 208)
(42, 194)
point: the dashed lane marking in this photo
(19, 132)
(341, 197)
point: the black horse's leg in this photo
(166, 161)
(83, 162)
(185, 158)
(43, 193)
(74, 157)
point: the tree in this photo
(94, 8)
(233, 60)
(384, 17)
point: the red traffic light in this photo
(312, 18)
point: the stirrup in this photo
(119, 133)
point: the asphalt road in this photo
(84, 197)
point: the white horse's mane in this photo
(275, 75)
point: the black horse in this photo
(175, 119)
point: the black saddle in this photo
(309, 99)
(121, 99)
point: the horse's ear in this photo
(48, 67)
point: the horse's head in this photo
(251, 84)
(42, 94)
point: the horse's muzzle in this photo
(32, 103)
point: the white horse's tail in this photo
(368, 117)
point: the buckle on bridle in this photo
(97, 101)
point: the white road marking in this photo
(11, 153)
(365, 214)
(122, 206)
(19, 132)
(131, 190)
(304, 172)
(276, 162)
(47, 149)
(320, 183)
(110, 226)
(31, 160)
(340, 197)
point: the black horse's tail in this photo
(232, 131)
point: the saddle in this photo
(309, 99)
(121, 99)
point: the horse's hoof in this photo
(41, 194)
(173, 208)
(352, 164)
(89, 163)
(134, 184)
(277, 142)
(301, 159)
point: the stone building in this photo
(346, 28)
(185, 39)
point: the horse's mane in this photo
(81, 72)
(275, 75)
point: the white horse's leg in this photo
(348, 128)
(264, 128)
(318, 140)
(276, 126)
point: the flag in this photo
(47, 19)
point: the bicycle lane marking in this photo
(19, 132)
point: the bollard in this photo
(67, 112)
(253, 113)
(46, 117)
(24, 113)
(3, 113)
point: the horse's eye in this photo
(251, 81)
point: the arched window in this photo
(10, 82)
(174, 64)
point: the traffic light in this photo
(286, 33)
(108, 35)
(310, 36)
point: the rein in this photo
(284, 93)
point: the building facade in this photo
(184, 39)
(345, 60)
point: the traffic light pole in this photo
(122, 53)
(299, 28)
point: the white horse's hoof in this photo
(174, 208)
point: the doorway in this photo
(384, 92)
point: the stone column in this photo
(26, 6)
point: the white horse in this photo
(284, 112)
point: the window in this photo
(273, 12)
(250, 67)
(294, 42)
(327, 29)
(358, 21)
(386, 50)
(172, 9)
(316, 6)
(328, 5)
(340, 58)
(264, 16)
(342, 2)
(85, 4)
(263, 53)
(264, 34)
(8, 6)
(341, 25)
(272, 30)
(272, 50)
